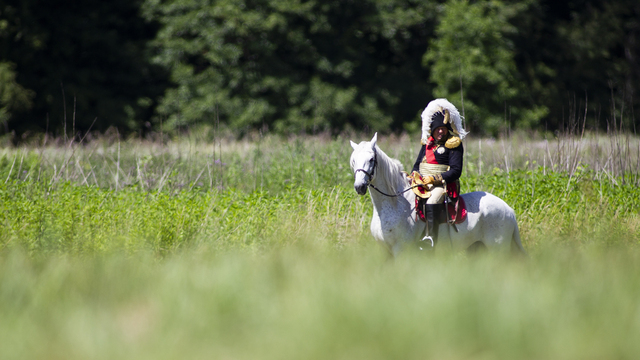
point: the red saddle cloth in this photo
(460, 215)
(457, 217)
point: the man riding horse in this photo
(437, 169)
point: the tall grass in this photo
(274, 164)
(140, 249)
(110, 194)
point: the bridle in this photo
(373, 170)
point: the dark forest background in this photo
(310, 66)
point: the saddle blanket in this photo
(457, 217)
(461, 215)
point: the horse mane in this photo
(389, 171)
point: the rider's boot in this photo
(433, 217)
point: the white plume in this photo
(436, 106)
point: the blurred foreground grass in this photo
(145, 251)
(313, 302)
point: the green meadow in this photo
(201, 247)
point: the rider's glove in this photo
(437, 180)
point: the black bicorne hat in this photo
(437, 120)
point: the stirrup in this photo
(426, 238)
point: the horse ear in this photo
(353, 145)
(374, 140)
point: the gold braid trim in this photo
(453, 142)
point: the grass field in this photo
(260, 249)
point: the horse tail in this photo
(516, 244)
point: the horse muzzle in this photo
(361, 189)
(362, 181)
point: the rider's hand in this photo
(428, 180)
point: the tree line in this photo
(310, 66)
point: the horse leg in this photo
(516, 243)
(477, 247)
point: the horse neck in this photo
(388, 179)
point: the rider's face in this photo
(440, 132)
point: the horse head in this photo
(363, 163)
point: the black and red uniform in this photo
(449, 156)
(452, 157)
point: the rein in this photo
(396, 195)
(369, 184)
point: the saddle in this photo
(457, 208)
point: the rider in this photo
(439, 162)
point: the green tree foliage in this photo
(472, 60)
(601, 60)
(310, 65)
(13, 97)
(84, 59)
(293, 65)
(581, 54)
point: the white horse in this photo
(490, 221)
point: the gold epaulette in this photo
(453, 142)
